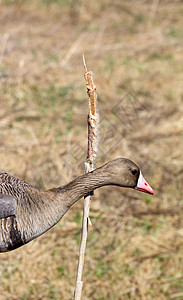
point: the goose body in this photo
(26, 212)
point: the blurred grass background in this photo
(135, 49)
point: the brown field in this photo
(135, 49)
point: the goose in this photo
(26, 212)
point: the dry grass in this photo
(135, 248)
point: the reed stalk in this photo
(93, 121)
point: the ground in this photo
(135, 50)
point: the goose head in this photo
(125, 173)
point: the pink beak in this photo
(143, 186)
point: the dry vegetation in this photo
(135, 48)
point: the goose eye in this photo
(134, 171)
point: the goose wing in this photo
(7, 206)
(11, 188)
(15, 196)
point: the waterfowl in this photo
(26, 212)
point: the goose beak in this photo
(143, 186)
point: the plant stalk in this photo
(93, 120)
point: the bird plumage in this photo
(26, 212)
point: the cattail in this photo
(93, 119)
(93, 137)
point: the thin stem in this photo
(84, 63)
(79, 282)
(89, 166)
